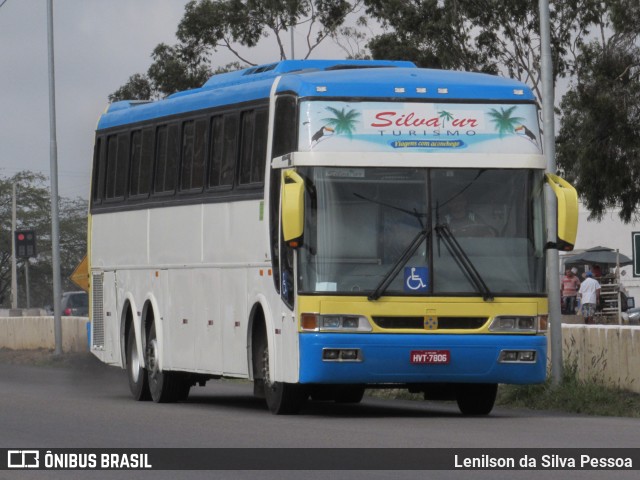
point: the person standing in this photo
(590, 297)
(570, 286)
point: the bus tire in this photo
(138, 382)
(476, 398)
(282, 398)
(349, 394)
(165, 387)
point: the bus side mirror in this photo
(567, 211)
(292, 207)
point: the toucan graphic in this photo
(522, 130)
(320, 133)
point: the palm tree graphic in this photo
(342, 122)
(503, 121)
(445, 116)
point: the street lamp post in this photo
(53, 166)
(553, 264)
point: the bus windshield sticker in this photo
(416, 279)
(344, 173)
(326, 287)
(418, 127)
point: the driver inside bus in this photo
(463, 222)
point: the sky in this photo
(98, 45)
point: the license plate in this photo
(430, 357)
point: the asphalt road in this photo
(82, 403)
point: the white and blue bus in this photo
(324, 227)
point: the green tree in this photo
(209, 26)
(598, 145)
(492, 36)
(34, 212)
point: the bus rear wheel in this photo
(165, 387)
(476, 398)
(138, 382)
(282, 398)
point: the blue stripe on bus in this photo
(382, 82)
(386, 359)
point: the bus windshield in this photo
(416, 229)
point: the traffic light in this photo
(25, 243)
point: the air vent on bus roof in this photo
(355, 67)
(125, 104)
(261, 69)
(271, 70)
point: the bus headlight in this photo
(517, 356)
(313, 322)
(510, 324)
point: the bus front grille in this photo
(420, 323)
(97, 310)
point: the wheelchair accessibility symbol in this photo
(416, 279)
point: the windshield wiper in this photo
(406, 254)
(463, 260)
(401, 262)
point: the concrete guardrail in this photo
(606, 353)
(30, 333)
(609, 354)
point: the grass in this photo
(589, 396)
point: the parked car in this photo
(75, 304)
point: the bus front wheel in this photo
(476, 398)
(165, 387)
(282, 398)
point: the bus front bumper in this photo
(418, 358)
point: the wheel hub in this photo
(152, 358)
(135, 364)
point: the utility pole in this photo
(553, 263)
(14, 266)
(53, 166)
(26, 282)
(293, 53)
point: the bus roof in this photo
(349, 79)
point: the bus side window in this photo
(284, 141)
(230, 150)
(253, 147)
(287, 287)
(193, 155)
(274, 225)
(215, 151)
(141, 163)
(247, 125)
(167, 155)
(222, 151)
(285, 130)
(117, 166)
(99, 163)
(260, 146)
